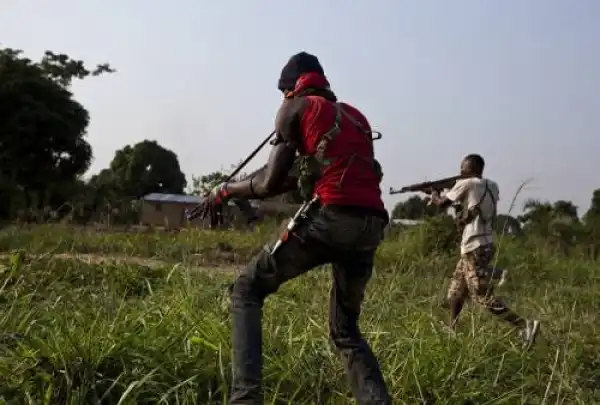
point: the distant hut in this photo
(398, 224)
(169, 211)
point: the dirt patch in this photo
(91, 258)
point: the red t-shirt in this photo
(350, 180)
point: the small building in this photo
(406, 222)
(398, 224)
(168, 210)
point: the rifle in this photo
(437, 185)
(243, 205)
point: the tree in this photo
(556, 222)
(415, 208)
(566, 210)
(507, 224)
(135, 171)
(538, 214)
(42, 128)
(593, 213)
(592, 223)
(203, 184)
(144, 168)
(102, 192)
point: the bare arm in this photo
(273, 178)
(441, 201)
(455, 194)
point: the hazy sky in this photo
(516, 80)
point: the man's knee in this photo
(257, 280)
(490, 302)
(456, 290)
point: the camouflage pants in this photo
(472, 277)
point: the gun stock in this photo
(438, 185)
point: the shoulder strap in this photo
(329, 135)
(356, 123)
(336, 129)
(478, 205)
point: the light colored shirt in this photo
(470, 193)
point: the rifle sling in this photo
(475, 211)
(330, 135)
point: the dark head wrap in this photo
(299, 64)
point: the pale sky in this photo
(517, 81)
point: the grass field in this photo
(117, 318)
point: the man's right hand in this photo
(210, 202)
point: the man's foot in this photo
(529, 333)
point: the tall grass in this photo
(80, 331)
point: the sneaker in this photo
(529, 333)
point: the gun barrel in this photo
(397, 191)
(437, 184)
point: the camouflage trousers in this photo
(472, 277)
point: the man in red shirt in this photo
(337, 170)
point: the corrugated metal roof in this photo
(180, 198)
(408, 222)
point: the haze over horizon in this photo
(518, 82)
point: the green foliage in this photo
(62, 69)
(507, 224)
(205, 183)
(437, 235)
(593, 213)
(135, 171)
(415, 207)
(42, 129)
(541, 215)
(557, 223)
(98, 321)
(146, 167)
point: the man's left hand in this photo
(217, 196)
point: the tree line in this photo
(44, 156)
(558, 222)
(44, 153)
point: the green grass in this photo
(85, 332)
